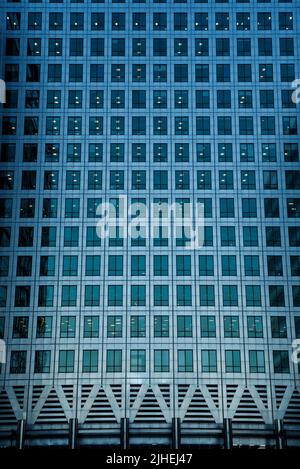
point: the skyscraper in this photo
(150, 207)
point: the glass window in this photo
(256, 361)
(278, 327)
(42, 361)
(208, 326)
(20, 327)
(201, 21)
(91, 327)
(226, 205)
(115, 265)
(92, 265)
(294, 236)
(206, 265)
(227, 234)
(161, 326)
(297, 326)
(185, 361)
(70, 265)
(286, 46)
(47, 266)
(229, 267)
(4, 266)
(5, 236)
(202, 73)
(161, 361)
(161, 295)
(97, 21)
(160, 265)
(67, 327)
(34, 21)
(48, 236)
(253, 295)
(233, 361)
(113, 361)
(230, 295)
(231, 327)
(114, 326)
(137, 326)
(293, 208)
(287, 72)
(159, 21)
(265, 72)
(273, 236)
(184, 295)
(276, 295)
(8, 152)
(90, 361)
(249, 208)
(275, 267)
(203, 151)
(251, 265)
(243, 21)
(66, 361)
(69, 295)
(208, 361)
(137, 361)
(92, 295)
(18, 360)
(184, 326)
(206, 295)
(255, 327)
(281, 361)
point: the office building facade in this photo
(167, 316)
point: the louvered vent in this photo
(165, 390)
(214, 393)
(198, 409)
(149, 409)
(230, 392)
(6, 412)
(36, 393)
(117, 392)
(279, 391)
(52, 410)
(85, 392)
(69, 394)
(19, 393)
(247, 409)
(134, 390)
(101, 410)
(182, 390)
(292, 414)
(263, 394)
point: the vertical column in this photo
(280, 434)
(176, 432)
(20, 434)
(73, 430)
(228, 440)
(124, 433)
